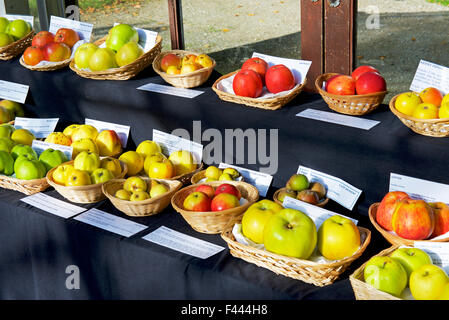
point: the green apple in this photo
(52, 158)
(427, 282)
(3, 24)
(87, 161)
(290, 232)
(297, 182)
(23, 149)
(6, 144)
(19, 28)
(83, 54)
(255, 218)
(128, 53)
(6, 163)
(121, 34)
(6, 130)
(139, 196)
(15, 107)
(27, 167)
(157, 190)
(338, 238)
(101, 175)
(5, 39)
(411, 258)
(385, 274)
(286, 193)
(102, 59)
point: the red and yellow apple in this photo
(67, 36)
(207, 189)
(341, 85)
(441, 213)
(33, 55)
(108, 143)
(197, 201)
(386, 208)
(42, 38)
(228, 188)
(224, 201)
(170, 59)
(431, 95)
(55, 52)
(413, 219)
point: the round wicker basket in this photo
(427, 127)
(27, 187)
(143, 208)
(214, 222)
(48, 67)
(321, 204)
(354, 105)
(187, 177)
(14, 49)
(188, 80)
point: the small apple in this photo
(319, 188)
(156, 157)
(101, 175)
(188, 59)
(426, 111)
(308, 196)
(258, 65)
(341, 85)
(385, 274)
(6, 163)
(247, 83)
(6, 130)
(87, 161)
(61, 173)
(228, 188)
(225, 177)
(444, 295)
(297, 182)
(42, 38)
(279, 78)
(84, 144)
(69, 130)
(159, 168)
(411, 258)
(83, 131)
(21, 149)
(188, 68)
(4, 22)
(441, 214)
(207, 189)
(19, 28)
(135, 183)
(15, 107)
(102, 59)
(6, 115)
(443, 112)
(52, 158)
(204, 60)
(139, 196)
(122, 194)
(67, 36)
(232, 172)
(224, 201)
(128, 53)
(55, 52)
(183, 161)
(413, 219)
(407, 102)
(197, 201)
(33, 55)
(158, 190)
(78, 178)
(173, 70)
(134, 161)
(108, 143)
(170, 59)
(6, 144)
(112, 165)
(286, 193)
(386, 208)
(213, 173)
(121, 34)
(431, 95)
(83, 54)
(5, 39)
(148, 148)
(23, 136)
(427, 282)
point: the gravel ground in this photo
(230, 31)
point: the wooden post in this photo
(176, 30)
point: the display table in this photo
(36, 247)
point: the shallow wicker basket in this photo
(391, 236)
(82, 194)
(14, 49)
(354, 105)
(27, 187)
(427, 127)
(197, 177)
(321, 204)
(124, 72)
(48, 67)
(364, 291)
(214, 222)
(267, 104)
(319, 274)
(187, 177)
(188, 80)
(143, 208)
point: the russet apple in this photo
(207, 189)
(197, 201)
(386, 208)
(427, 282)
(441, 213)
(413, 219)
(286, 193)
(319, 188)
(224, 201)
(87, 161)
(385, 274)
(108, 143)
(308, 196)
(134, 161)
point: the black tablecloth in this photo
(36, 247)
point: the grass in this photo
(84, 4)
(442, 2)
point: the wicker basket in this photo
(188, 80)
(390, 236)
(354, 105)
(124, 72)
(197, 177)
(267, 104)
(48, 67)
(187, 177)
(319, 274)
(27, 187)
(14, 49)
(364, 291)
(143, 208)
(427, 127)
(82, 194)
(321, 204)
(214, 222)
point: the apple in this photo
(197, 201)
(156, 157)
(5, 39)
(84, 131)
(247, 83)
(183, 161)
(108, 143)
(139, 196)
(19, 28)
(443, 111)
(170, 59)
(58, 138)
(286, 193)
(148, 148)
(228, 188)
(188, 59)
(6, 144)
(55, 52)
(4, 22)
(441, 214)
(207, 189)
(15, 107)
(213, 173)
(225, 177)
(385, 274)
(21, 149)
(84, 144)
(6, 115)
(386, 208)
(6, 130)
(413, 219)
(28, 168)
(426, 111)
(444, 295)
(291, 233)
(112, 165)
(61, 173)
(370, 82)
(224, 201)
(102, 59)
(255, 218)
(341, 85)
(78, 178)
(67, 36)
(188, 68)
(42, 38)
(69, 130)
(297, 182)
(308, 196)
(232, 172)
(411, 258)
(361, 70)
(134, 161)
(101, 175)
(338, 238)
(135, 183)
(128, 53)
(83, 54)
(319, 188)
(121, 34)
(52, 158)
(326, 84)
(123, 194)
(431, 95)
(258, 65)
(407, 102)
(173, 70)
(204, 60)
(159, 167)
(279, 78)
(6, 163)
(427, 282)
(157, 190)
(87, 161)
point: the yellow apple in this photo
(213, 173)
(232, 172)
(173, 70)
(15, 107)
(407, 102)
(122, 194)
(133, 184)
(427, 282)
(62, 173)
(84, 131)
(22, 136)
(108, 143)
(204, 60)
(87, 161)
(68, 131)
(188, 68)
(188, 59)
(160, 169)
(78, 178)
(444, 295)
(426, 111)
(183, 161)
(58, 138)
(158, 190)
(148, 148)
(225, 177)
(139, 196)
(6, 115)
(444, 110)
(112, 165)
(84, 144)
(133, 160)
(158, 156)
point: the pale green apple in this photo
(52, 158)
(6, 163)
(128, 53)
(3, 24)
(5, 39)
(411, 258)
(157, 190)
(102, 59)
(6, 144)
(28, 168)
(385, 274)
(101, 175)
(297, 182)
(87, 161)
(83, 55)
(121, 34)
(427, 282)
(23, 149)
(6, 130)
(19, 28)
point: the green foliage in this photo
(442, 2)
(84, 4)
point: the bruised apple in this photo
(256, 64)
(386, 208)
(55, 52)
(247, 83)
(67, 36)
(413, 219)
(279, 78)
(341, 85)
(33, 55)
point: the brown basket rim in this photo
(15, 43)
(276, 199)
(50, 67)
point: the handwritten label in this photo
(261, 181)
(121, 130)
(52, 205)
(41, 128)
(83, 29)
(340, 119)
(179, 92)
(13, 91)
(40, 146)
(170, 143)
(430, 74)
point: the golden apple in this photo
(158, 190)
(148, 148)
(204, 60)
(62, 173)
(158, 156)
(139, 196)
(161, 169)
(426, 111)
(123, 194)
(213, 173)
(87, 161)
(183, 161)
(188, 59)
(84, 144)
(108, 143)
(225, 177)
(6, 115)
(23, 136)
(133, 184)
(444, 110)
(78, 178)
(68, 131)
(84, 131)
(173, 70)
(112, 165)
(232, 172)
(133, 160)
(188, 68)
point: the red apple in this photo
(341, 85)
(256, 64)
(328, 80)
(207, 189)
(170, 59)
(413, 219)
(361, 70)
(42, 38)
(33, 55)
(386, 208)
(228, 188)
(279, 78)
(247, 83)
(197, 201)
(441, 211)
(224, 201)
(370, 82)
(56, 51)
(67, 36)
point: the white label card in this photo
(317, 214)
(83, 29)
(438, 251)
(178, 241)
(430, 74)
(337, 189)
(170, 143)
(340, 119)
(13, 91)
(419, 188)
(121, 130)
(52, 205)
(299, 68)
(179, 92)
(40, 146)
(110, 222)
(41, 128)
(261, 181)
(29, 19)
